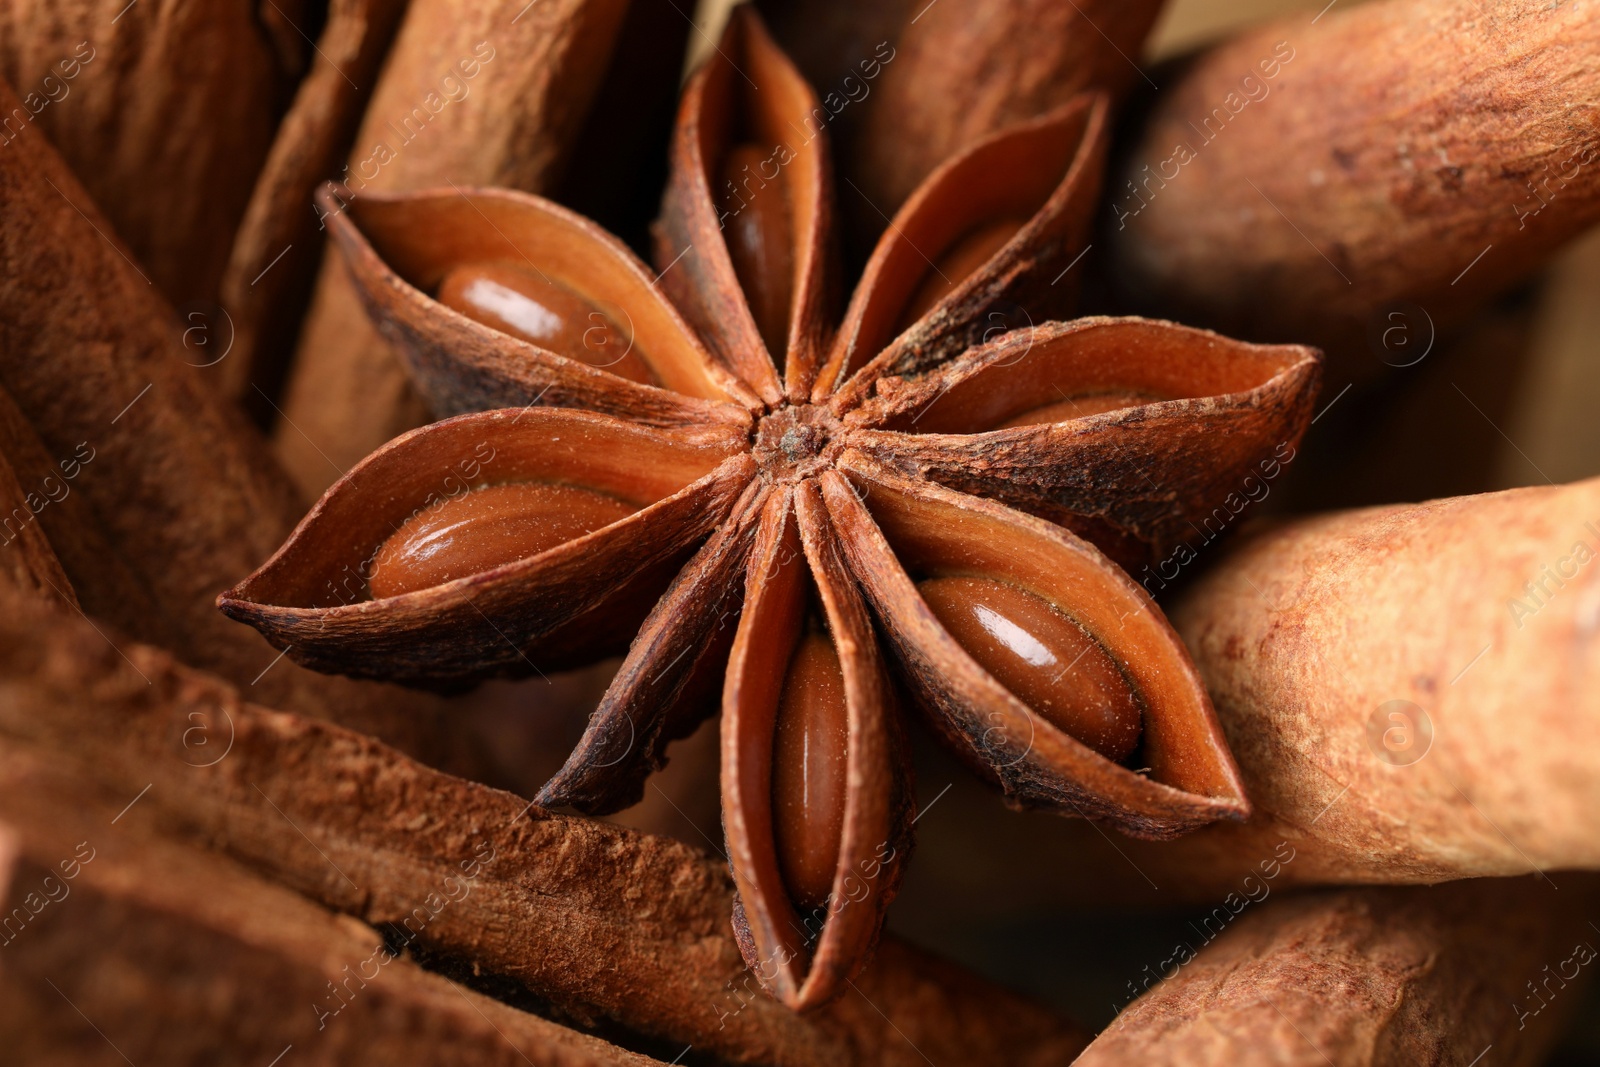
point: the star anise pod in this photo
(902, 518)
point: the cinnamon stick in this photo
(107, 587)
(1307, 178)
(1371, 977)
(122, 943)
(267, 282)
(611, 925)
(182, 486)
(488, 94)
(163, 109)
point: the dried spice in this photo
(1364, 666)
(132, 102)
(164, 491)
(621, 932)
(1370, 978)
(762, 509)
(1336, 188)
(494, 93)
(267, 282)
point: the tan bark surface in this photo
(1394, 144)
(1363, 978)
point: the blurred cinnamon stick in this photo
(612, 926)
(163, 109)
(1370, 978)
(274, 255)
(1308, 177)
(28, 565)
(183, 488)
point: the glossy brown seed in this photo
(1045, 659)
(541, 311)
(484, 528)
(809, 771)
(753, 203)
(958, 261)
(1079, 407)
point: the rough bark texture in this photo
(1364, 978)
(273, 261)
(1412, 693)
(164, 110)
(184, 489)
(509, 124)
(121, 946)
(611, 926)
(1394, 144)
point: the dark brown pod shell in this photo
(309, 598)
(722, 105)
(1220, 420)
(903, 527)
(1046, 171)
(806, 959)
(399, 247)
(670, 681)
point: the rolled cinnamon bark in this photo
(1309, 177)
(483, 94)
(606, 924)
(273, 260)
(169, 953)
(183, 487)
(1369, 978)
(163, 109)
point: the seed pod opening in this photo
(809, 773)
(945, 273)
(523, 301)
(601, 511)
(496, 298)
(1011, 725)
(484, 527)
(1042, 656)
(1042, 376)
(742, 238)
(815, 782)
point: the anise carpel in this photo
(828, 521)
